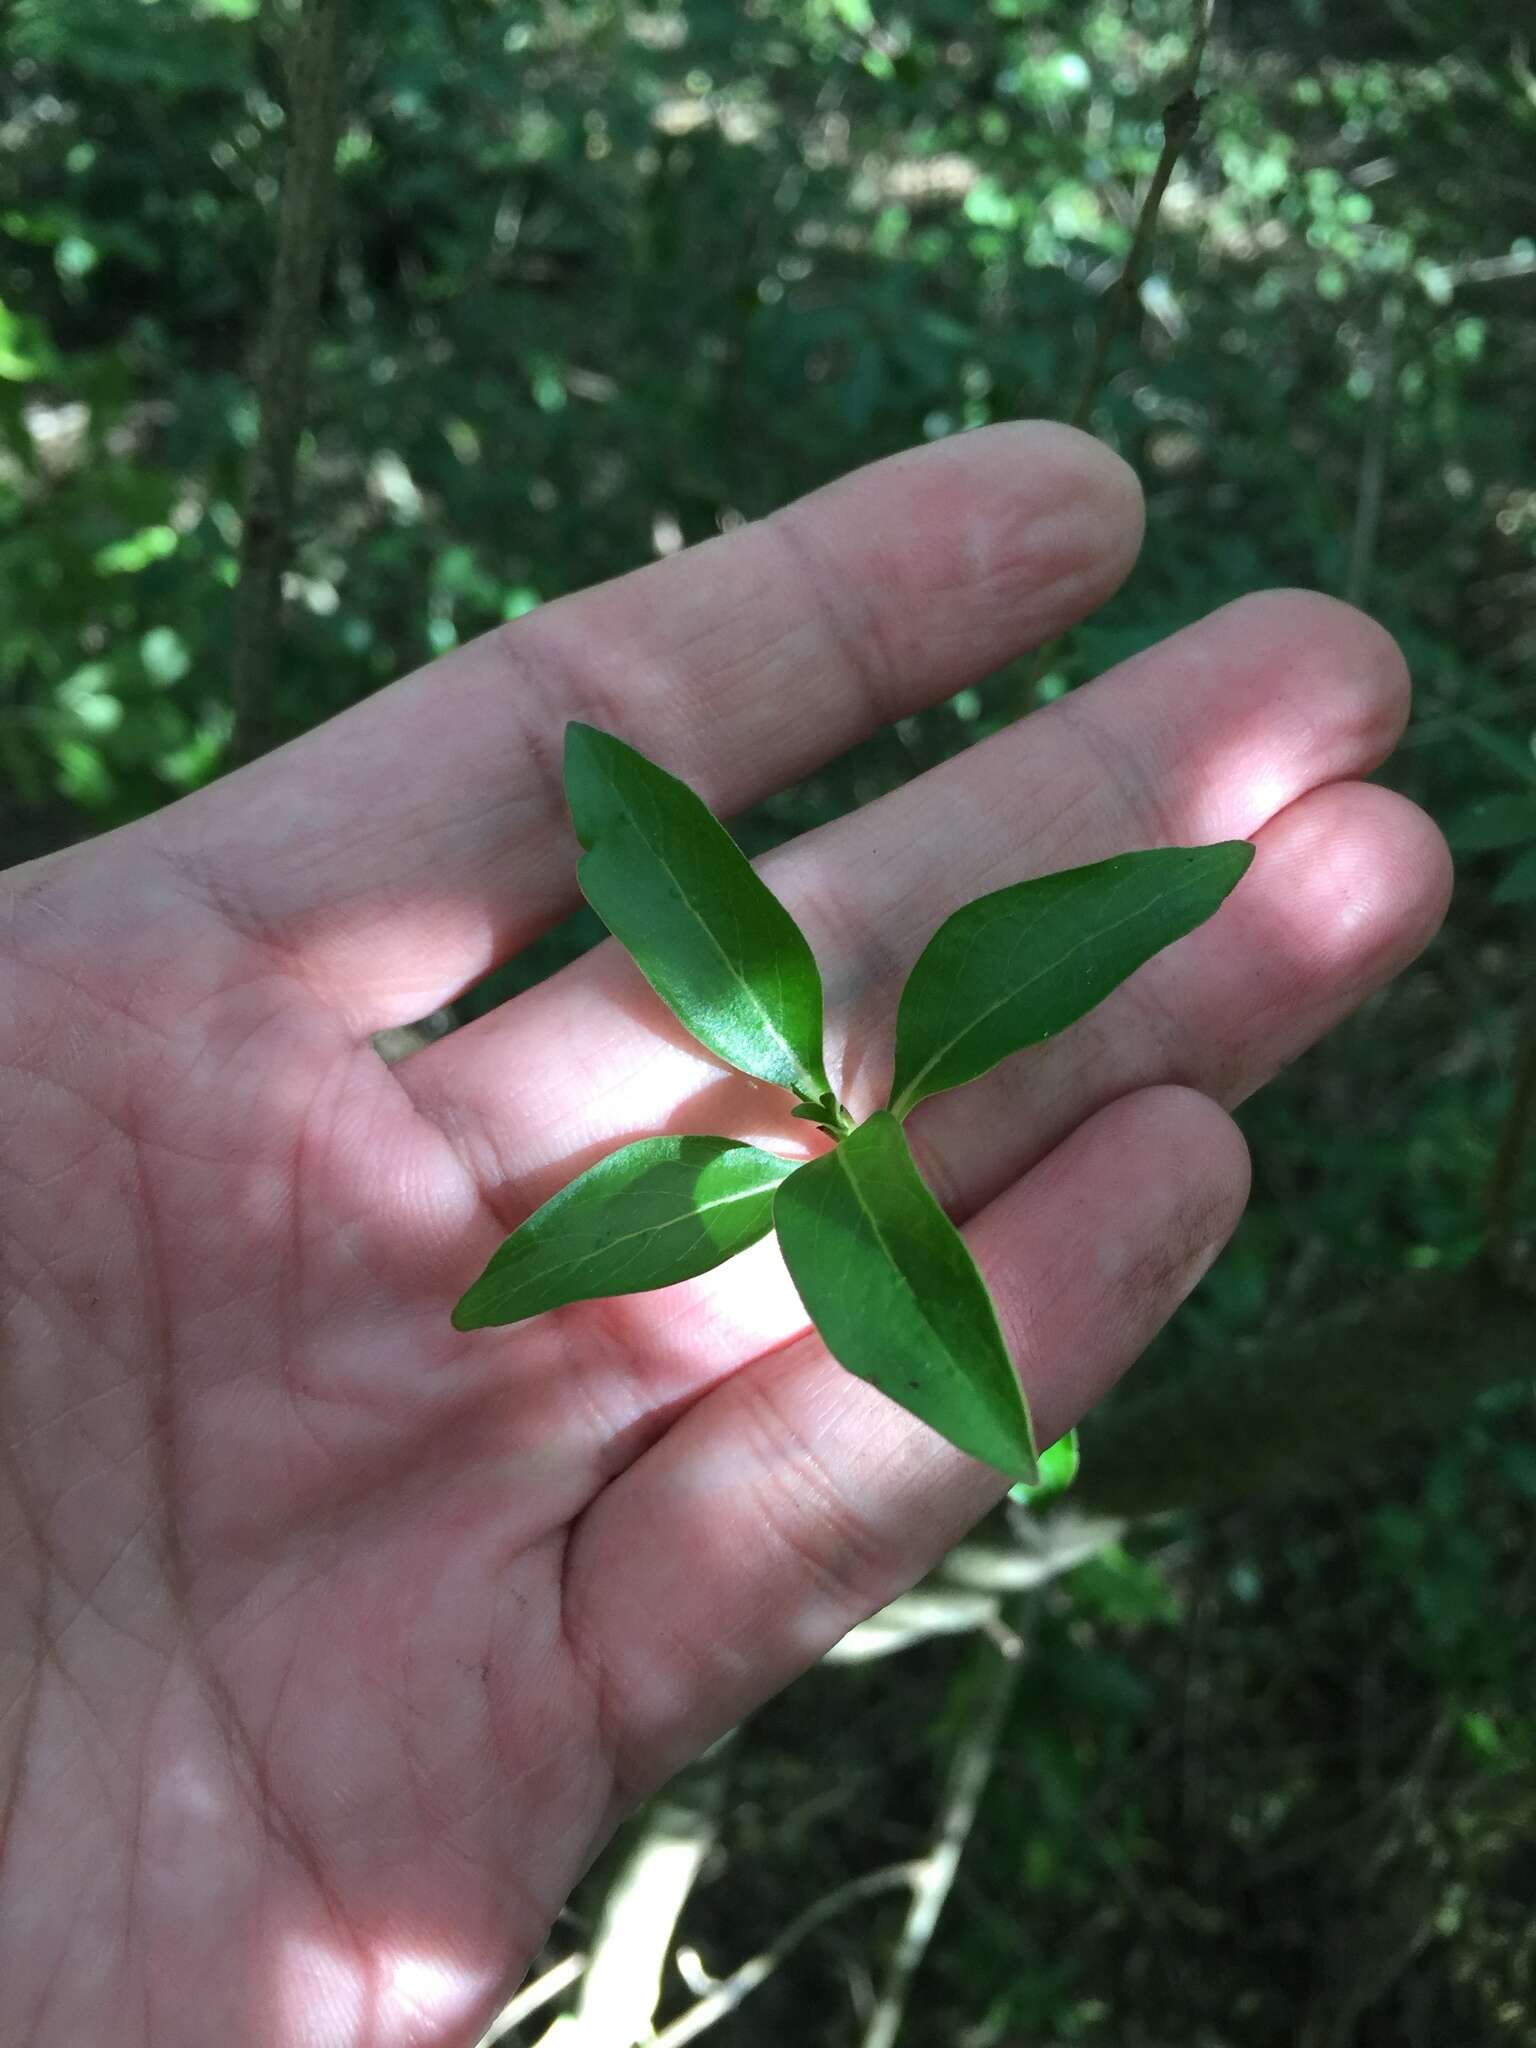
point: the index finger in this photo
(402, 850)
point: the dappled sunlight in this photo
(1247, 798)
(373, 407)
(327, 1995)
(587, 1061)
(743, 1308)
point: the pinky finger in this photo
(794, 1500)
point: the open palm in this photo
(332, 1643)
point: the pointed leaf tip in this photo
(888, 1281)
(677, 892)
(647, 1216)
(1014, 968)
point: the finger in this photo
(794, 1500)
(398, 853)
(1236, 717)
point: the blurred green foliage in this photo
(609, 279)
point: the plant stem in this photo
(1181, 119)
(533, 1997)
(936, 1873)
(827, 1114)
(622, 1984)
(729, 1993)
(314, 74)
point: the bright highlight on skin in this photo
(326, 1991)
(882, 1272)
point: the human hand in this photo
(333, 1643)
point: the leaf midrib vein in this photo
(891, 1259)
(981, 1016)
(671, 1222)
(740, 979)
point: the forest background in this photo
(1235, 1744)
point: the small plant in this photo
(883, 1273)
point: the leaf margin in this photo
(571, 1194)
(1020, 1465)
(906, 1092)
(584, 748)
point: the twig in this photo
(730, 1991)
(534, 1997)
(1181, 119)
(915, 1617)
(622, 1986)
(936, 1873)
(314, 73)
(1508, 1173)
(1493, 269)
(1373, 461)
(965, 1594)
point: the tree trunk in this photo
(1409, 1357)
(313, 69)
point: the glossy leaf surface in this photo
(1059, 1463)
(887, 1280)
(674, 888)
(1016, 967)
(662, 1210)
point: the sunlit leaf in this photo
(1016, 967)
(1058, 1469)
(662, 1210)
(673, 887)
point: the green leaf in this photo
(673, 887)
(1491, 824)
(1058, 1469)
(1118, 1587)
(663, 1210)
(828, 1114)
(1016, 967)
(887, 1280)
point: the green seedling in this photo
(884, 1274)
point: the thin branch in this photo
(1493, 269)
(1516, 1141)
(968, 1780)
(534, 1997)
(1373, 460)
(730, 1991)
(314, 73)
(1181, 120)
(622, 1985)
